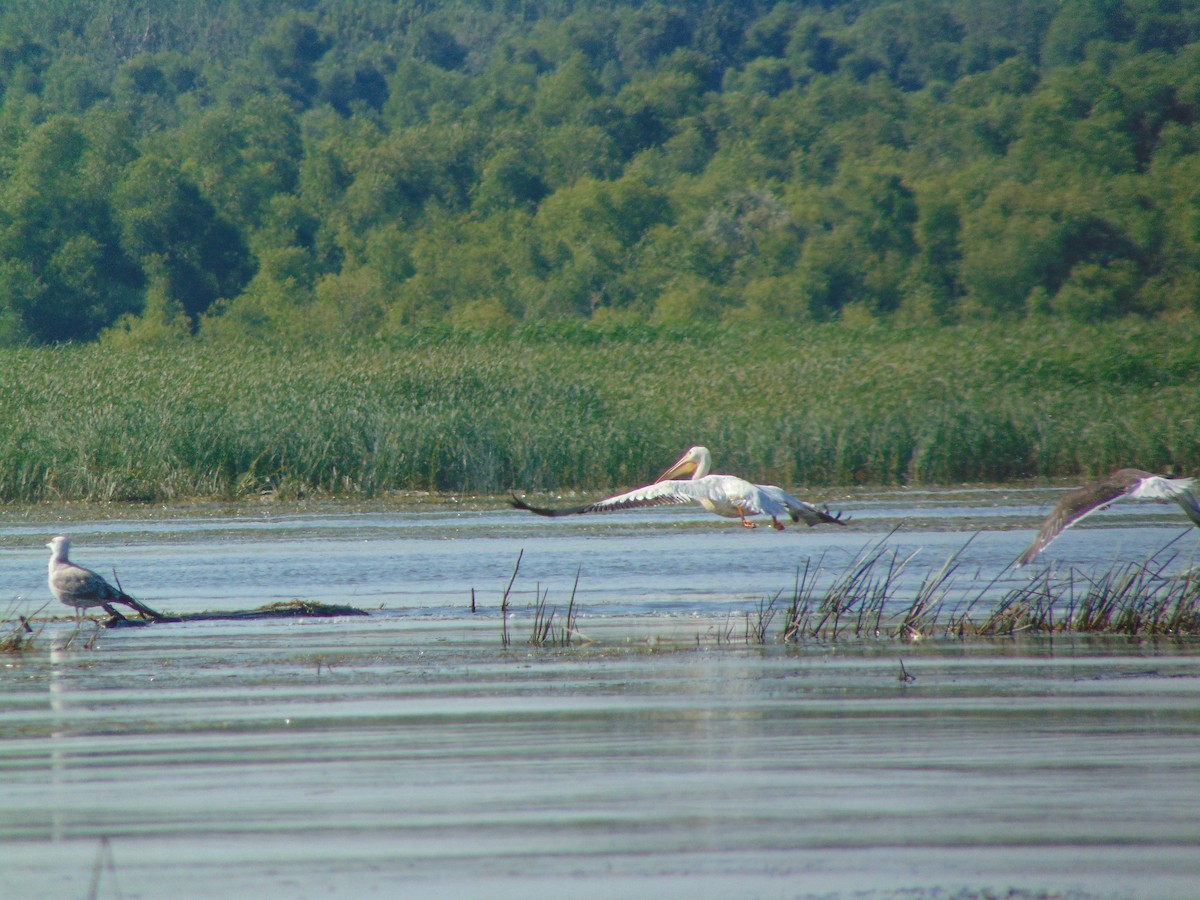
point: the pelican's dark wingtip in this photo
(518, 503)
(835, 518)
(831, 518)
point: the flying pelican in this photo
(1123, 484)
(724, 495)
(79, 587)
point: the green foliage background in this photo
(586, 407)
(356, 168)
(354, 246)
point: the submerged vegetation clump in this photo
(283, 609)
(17, 634)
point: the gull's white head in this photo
(696, 463)
(60, 546)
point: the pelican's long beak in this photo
(683, 467)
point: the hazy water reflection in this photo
(410, 752)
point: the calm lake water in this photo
(659, 755)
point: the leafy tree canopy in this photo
(359, 167)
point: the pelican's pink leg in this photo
(775, 524)
(745, 524)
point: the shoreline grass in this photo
(589, 408)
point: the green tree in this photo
(866, 254)
(148, 87)
(65, 274)
(288, 168)
(290, 50)
(512, 177)
(587, 235)
(167, 225)
(1080, 23)
(240, 158)
(567, 94)
(1026, 243)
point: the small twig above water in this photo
(504, 638)
(104, 862)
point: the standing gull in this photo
(1123, 484)
(79, 587)
(723, 495)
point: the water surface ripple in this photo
(411, 752)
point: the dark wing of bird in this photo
(818, 515)
(1072, 507)
(1190, 502)
(661, 493)
(802, 510)
(518, 503)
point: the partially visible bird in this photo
(80, 588)
(723, 495)
(1123, 484)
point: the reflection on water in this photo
(411, 752)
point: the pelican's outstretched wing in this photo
(1133, 484)
(723, 495)
(661, 493)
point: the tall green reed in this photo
(577, 408)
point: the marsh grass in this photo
(544, 633)
(505, 640)
(90, 642)
(1133, 600)
(17, 633)
(588, 408)
(759, 623)
(854, 603)
(543, 619)
(872, 599)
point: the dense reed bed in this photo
(868, 600)
(590, 408)
(865, 601)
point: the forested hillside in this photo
(361, 167)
